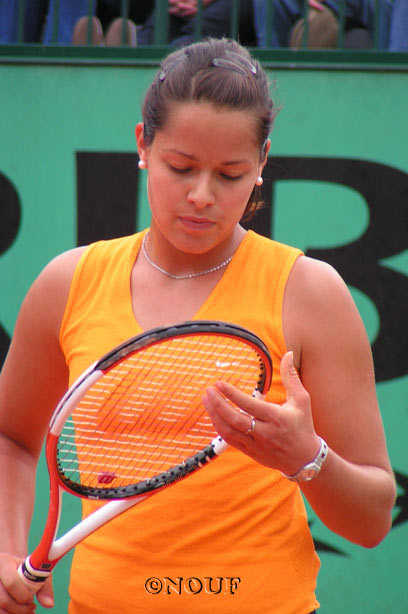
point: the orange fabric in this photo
(232, 538)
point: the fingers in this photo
(227, 418)
(296, 397)
(280, 436)
(45, 595)
(15, 598)
(295, 391)
(250, 405)
(11, 607)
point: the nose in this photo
(201, 192)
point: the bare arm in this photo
(335, 399)
(356, 492)
(33, 378)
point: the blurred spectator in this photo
(399, 26)
(119, 32)
(32, 21)
(37, 24)
(69, 11)
(106, 13)
(288, 25)
(71, 22)
(216, 22)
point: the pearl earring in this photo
(142, 165)
(259, 181)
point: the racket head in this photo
(135, 423)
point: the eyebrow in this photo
(195, 159)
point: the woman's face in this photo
(202, 167)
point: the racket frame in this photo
(39, 565)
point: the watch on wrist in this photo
(310, 471)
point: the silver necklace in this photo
(189, 275)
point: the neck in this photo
(196, 265)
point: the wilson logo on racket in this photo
(106, 477)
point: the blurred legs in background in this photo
(32, 21)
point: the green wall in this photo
(49, 113)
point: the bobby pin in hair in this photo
(237, 63)
(242, 60)
(170, 67)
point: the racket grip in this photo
(32, 578)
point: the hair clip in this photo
(224, 63)
(172, 64)
(242, 60)
(237, 63)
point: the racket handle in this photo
(32, 578)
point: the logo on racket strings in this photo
(223, 365)
(106, 477)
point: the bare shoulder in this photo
(59, 271)
(49, 292)
(313, 279)
(35, 374)
(318, 307)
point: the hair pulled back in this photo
(216, 71)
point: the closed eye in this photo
(186, 169)
(231, 177)
(178, 170)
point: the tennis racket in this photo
(134, 423)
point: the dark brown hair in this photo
(217, 71)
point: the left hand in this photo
(283, 437)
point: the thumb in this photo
(45, 595)
(290, 379)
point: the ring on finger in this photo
(252, 427)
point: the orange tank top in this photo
(232, 538)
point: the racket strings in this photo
(145, 415)
(177, 409)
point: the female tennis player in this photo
(234, 536)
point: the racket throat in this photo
(40, 562)
(88, 525)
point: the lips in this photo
(197, 223)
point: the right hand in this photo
(15, 597)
